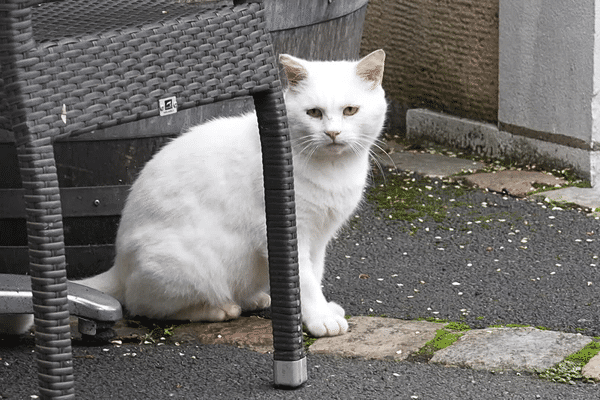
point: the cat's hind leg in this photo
(260, 301)
(252, 284)
(208, 313)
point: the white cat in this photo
(191, 243)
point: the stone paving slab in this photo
(378, 338)
(592, 369)
(431, 165)
(520, 349)
(584, 197)
(390, 339)
(517, 183)
(253, 333)
(514, 183)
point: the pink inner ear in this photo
(293, 71)
(370, 68)
(373, 74)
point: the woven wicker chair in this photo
(71, 67)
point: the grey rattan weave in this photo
(71, 67)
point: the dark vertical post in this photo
(47, 269)
(289, 358)
(47, 265)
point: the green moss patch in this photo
(569, 370)
(443, 338)
(308, 339)
(407, 197)
(586, 354)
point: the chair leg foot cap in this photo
(290, 374)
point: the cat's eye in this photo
(350, 110)
(315, 113)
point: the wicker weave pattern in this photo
(105, 76)
(108, 63)
(281, 228)
(47, 269)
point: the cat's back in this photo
(217, 162)
(222, 141)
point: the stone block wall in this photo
(442, 55)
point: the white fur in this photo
(192, 240)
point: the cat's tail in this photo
(106, 282)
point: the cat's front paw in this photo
(327, 322)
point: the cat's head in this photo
(335, 108)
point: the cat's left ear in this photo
(370, 68)
(294, 70)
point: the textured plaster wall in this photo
(442, 54)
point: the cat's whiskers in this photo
(306, 143)
(303, 142)
(376, 144)
(359, 147)
(373, 154)
(375, 159)
(300, 141)
(308, 158)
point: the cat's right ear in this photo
(370, 68)
(294, 70)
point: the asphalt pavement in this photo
(486, 258)
(493, 260)
(224, 372)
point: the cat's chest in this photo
(329, 197)
(327, 192)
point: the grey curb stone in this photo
(519, 349)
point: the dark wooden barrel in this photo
(96, 170)
(317, 29)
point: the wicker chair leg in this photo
(48, 270)
(289, 360)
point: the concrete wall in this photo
(595, 155)
(546, 67)
(548, 80)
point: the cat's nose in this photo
(332, 134)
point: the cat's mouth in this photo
(335, 148)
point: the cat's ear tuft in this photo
(294, 70)
(370, 68)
